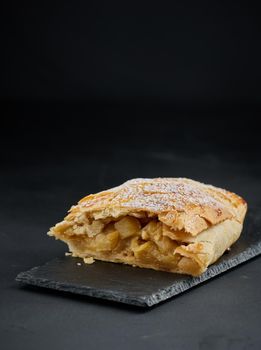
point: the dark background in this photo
(179, 51)
(90, 75)
(97, 92)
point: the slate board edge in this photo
(27, 277)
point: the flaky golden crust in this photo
(180, 203)
(171, 224)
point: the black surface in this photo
(135, 286)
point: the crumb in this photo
(68, 254)
(89, 260)
(227, 250)
(79, 264)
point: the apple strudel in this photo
(169, 224)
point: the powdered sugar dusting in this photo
(157, 195)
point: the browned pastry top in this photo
(180, 203)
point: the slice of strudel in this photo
(169, 224)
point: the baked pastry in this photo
(170, 224)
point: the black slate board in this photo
(141, 287)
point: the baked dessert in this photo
(170, 224)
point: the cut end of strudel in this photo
(169, 224)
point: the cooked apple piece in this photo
(166, 245)
(152, 230)
(106, 242)
(95, 228)
(143, 251)
(127, 226)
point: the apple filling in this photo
(143, 241)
